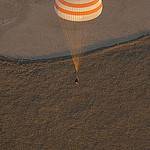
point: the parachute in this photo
(76, 12)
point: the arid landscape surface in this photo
(41, 108)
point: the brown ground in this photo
(42, 109)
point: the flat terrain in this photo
(41, 108)
(31, 28)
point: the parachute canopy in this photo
(78, 10)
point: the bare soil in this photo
(41, 108)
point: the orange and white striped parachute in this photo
(77, 11)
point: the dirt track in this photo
(42, 109)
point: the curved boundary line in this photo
(20, 61)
